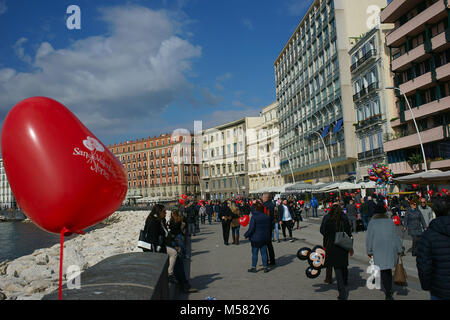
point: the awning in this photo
(340, 186)
(338, 126)
(299, 187)
(368, 185)
(429, 177)
(325, 131)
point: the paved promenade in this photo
(221, 271)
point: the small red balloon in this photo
(62, 176)
(415, 186)
(243, 221)
(358, 205)
(181, 201)
(396, 220)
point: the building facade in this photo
(224, 171)
(420, 61)
(314, 91)
(161, 167)
(7, 199)
(263, 152)
(373, 104)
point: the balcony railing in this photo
(370, 154)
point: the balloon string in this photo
(61, 257)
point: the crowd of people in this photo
(428, 228)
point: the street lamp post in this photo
(325, 146)
(290, 166)
(415, 124)
(417, 128)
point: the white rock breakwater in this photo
(33, 276)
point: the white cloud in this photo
(20, 50)
(3, 7)
(132, 73)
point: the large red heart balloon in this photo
(243, 221)
(62, 176)
(184, 197)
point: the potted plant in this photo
(416, 161)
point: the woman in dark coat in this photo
(415, 224)
(158, 236)
(176, 230)
(259, 235)
(337, 257)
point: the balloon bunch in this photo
(315, 258)
(183, 199)
(381, 174)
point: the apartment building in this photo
(314, 90)
(224, 171)
(374, 105)
(162, 167)
(7, 199)
(263, 151)
(420, 61)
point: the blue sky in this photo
(141, 68)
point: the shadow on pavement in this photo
(355, 280)
(201, 282)
(196, 253)
(195, 239)
(285, 260)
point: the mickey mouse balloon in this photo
(303, 253)
(312, 273)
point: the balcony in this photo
(417, 83)
(404, 61)
(364, 124)
(362, 61)
(412, 140)
(416, 25)
(373, 87)
(425, 110)
(371, 154)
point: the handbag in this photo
(400, 273)
(142, 242)
(342, 240)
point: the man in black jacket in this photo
(190, 217)
(270, 208)
(433, 254)
(225, 215)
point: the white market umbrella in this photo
(429, 177)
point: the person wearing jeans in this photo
(263, 251)
(259, 235)
(286, 219)
(276, 232)
(314, 206)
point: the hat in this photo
(379, 208)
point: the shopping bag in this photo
(400, 275)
